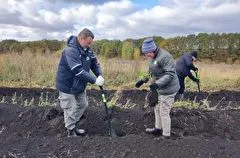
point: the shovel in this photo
(109, 114)
(197, 82)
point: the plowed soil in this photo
(38, 131)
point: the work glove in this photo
(152, 98)
(153, 87)
(141, 82)
(195, 69)
(99, 81)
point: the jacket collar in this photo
(72, 41)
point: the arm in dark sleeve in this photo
(190, 75)
(76, 67)
(169, 71)
(95, 66)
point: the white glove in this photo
(99, 81)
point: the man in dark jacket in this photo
(73, 74)
(163, 80)
(183, 66)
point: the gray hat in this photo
(148, 46)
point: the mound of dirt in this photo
(39, 131)
(131, 97)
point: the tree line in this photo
(214, 46)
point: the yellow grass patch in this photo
(28, 70)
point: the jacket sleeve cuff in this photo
(84, 75)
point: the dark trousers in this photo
(182, 85)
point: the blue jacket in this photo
(183, 66)
(74, 66)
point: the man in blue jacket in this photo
(183, 66)
(76, 61)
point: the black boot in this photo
(154, 131)
(72, 133)
(79, 131)
(172, 137)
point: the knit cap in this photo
(148, 46)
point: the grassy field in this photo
(28, 70)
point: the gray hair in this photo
(86, 33)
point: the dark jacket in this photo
(74, 66)
(183, 66)
(162, 69)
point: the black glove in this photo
(153, 87)
(139, 83)
(195, 69)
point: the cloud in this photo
(119, 19)
(186, 17)
(27, 33)
(83, 1)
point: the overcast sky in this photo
(116, 19)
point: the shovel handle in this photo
(110, 132)
(198, 82)
(103, 95)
